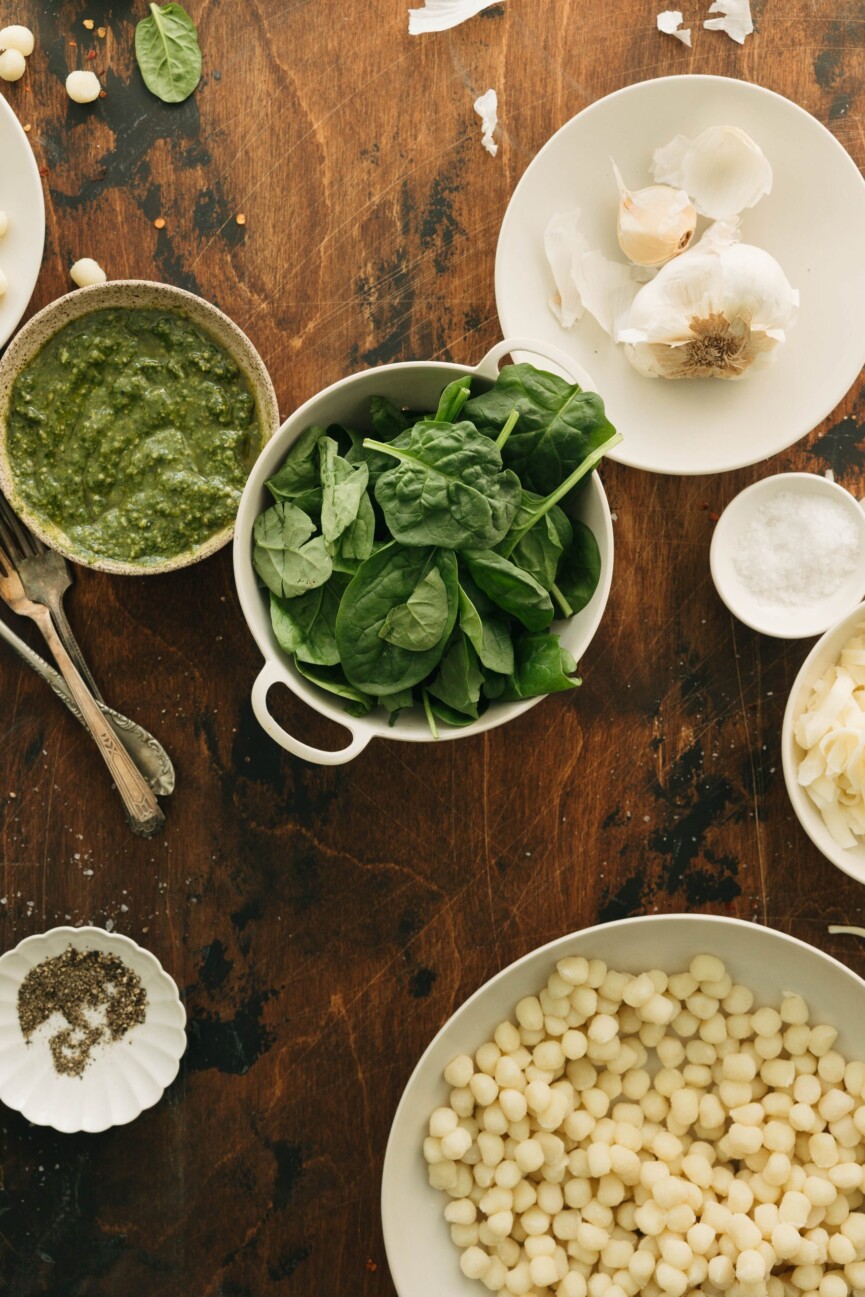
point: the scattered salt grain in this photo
(486, 106)
(797, 551)
(670, 23)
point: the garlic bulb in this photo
(654, 224)
(718, 311)
(723, 170)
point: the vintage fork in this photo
(142, 808)
(45, 576)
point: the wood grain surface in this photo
(323, 923)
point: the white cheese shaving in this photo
(736, 20)
(486, 106)
(831, 731)
(440, 15)
(670, 23)
(585, 279)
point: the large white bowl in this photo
(826, 651)
(416, 385)
(423, 1261)
(22, 200)
(812, 222)
(123, 1077)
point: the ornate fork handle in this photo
(142, 808)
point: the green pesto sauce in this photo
(132, 433)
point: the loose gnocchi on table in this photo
(655, 1134)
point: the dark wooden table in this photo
(323, 923)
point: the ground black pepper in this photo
(100, 997)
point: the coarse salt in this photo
(797, 550)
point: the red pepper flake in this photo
(43, 171)
(370, 1265)
(92, 54)
(704, 505)
(102, 94)
(713, 517)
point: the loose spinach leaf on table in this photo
(333, 680)
(488, 634)
(306, 625)
(288, 562)
(448, 487)
(558, 424)
(580, 568)
(386, 580)
(514, 590)
(459, 679)
(542, 667)
(168, 53)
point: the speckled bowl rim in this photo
(141, 294)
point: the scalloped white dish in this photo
(22, 200)
(124, 1077)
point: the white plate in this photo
(783, 621)
(812, 222)
(22, 200)
(123, 1077)
(827, 650)
(423, 1261)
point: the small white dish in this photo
(123, 1077)
(423, 1260)
(811, 223)
(22, 200)
(783, 621)
(827, 650)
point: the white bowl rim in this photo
(850, 860)
(549, 949)
(105, 940)
(622, 453)
(821, 486)
(278, 669)
(32, 166)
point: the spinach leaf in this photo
(387, 419)
(306, 625)
(539, 550)
(580, 568)
(343, 487)
(441, 711)
(333, 680)
(459, 680)
(452, 399)
(388, 578)
(448, 488)
(394, 704)
(287, 561)
(299, 471)
(510, 587)
(558, 424)
(357, 541)
(418, 623)
(542, 667)
(488, 635)
(168, 54)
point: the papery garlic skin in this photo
(718, 311)
(585, 279)
(655, 223)
(723, 170)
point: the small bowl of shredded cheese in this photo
(823, 744)
(788, 555)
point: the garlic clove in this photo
(655, 223)
(718, 311)
(723, 170)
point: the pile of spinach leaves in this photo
(422, 564)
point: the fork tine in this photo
(25, 539)
(7, 541)
(7, 567)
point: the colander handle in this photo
(489, 366)
(273, 673)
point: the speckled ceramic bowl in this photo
(139, 293)
(124, 1077)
